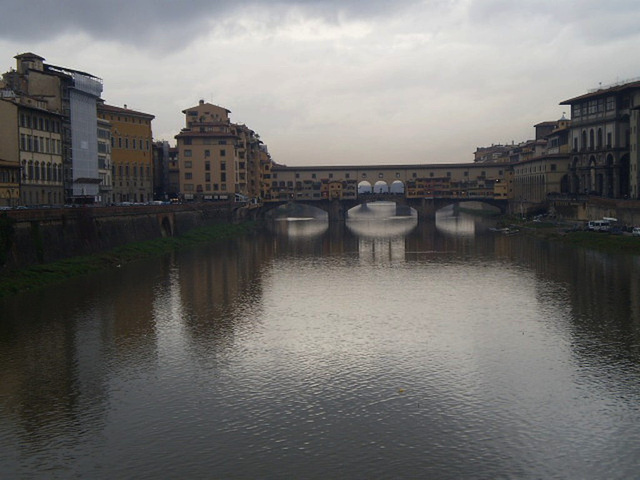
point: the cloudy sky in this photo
(340, 81)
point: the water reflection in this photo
(381, 220)
(296, 227)
(455, 224)
(428, 353)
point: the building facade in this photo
(65, 98)
(9, 152)
(131, 153)
(104, 162)
(602, 160)
(209, 150)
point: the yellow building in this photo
(212, 153)
(9, 156)
(131, 153)
(32, 142)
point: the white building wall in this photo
(84, 135)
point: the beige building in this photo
(131, 153)
(57, 119)
(213, 154)
(32, 140)
(9, 154)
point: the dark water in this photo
(316, 352)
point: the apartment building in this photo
(212, 154)
(604, 140)
(9, 152)
(64, 99)
(32, 139)
(131, 153)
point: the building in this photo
(131, 153)
(161, 170)
(604, 140)
(9, 152)
(32, 142)
(212, 153)
(104, 162)
(72, 96)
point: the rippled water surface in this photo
(375, 350)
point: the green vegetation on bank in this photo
(41, 275)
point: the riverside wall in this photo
(36, 236)
(594, 208)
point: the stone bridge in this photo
(426, 208)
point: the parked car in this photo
(635, 232)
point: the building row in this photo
(594, 153)
(61, 143)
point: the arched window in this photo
(591, 139)
(599, 143)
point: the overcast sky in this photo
(340, 81)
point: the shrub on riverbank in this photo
(42, 275)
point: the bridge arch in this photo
(364, 187)
(381, 187)
(397, 187)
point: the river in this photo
(378, 349)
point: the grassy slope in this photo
(46, 274)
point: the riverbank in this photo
(38, 276)
(572, 234)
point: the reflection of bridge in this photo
(426, 208)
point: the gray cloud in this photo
(146, 22)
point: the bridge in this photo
(425, 188)
(337, 208)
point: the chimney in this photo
(201, 102)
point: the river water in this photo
(380, 349)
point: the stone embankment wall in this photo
(627, 212)
(29, 237)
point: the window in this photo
(126, 143)
(223, 177)
(186, 141)
(223, 153)
(207, 153)
(207, 166)
(611, 103)
(188, 176)
(188, 164)
(223, 166)
(187, 153)
(576, 111)
(207, 177)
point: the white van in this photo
(635, 232)
(599, 225)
